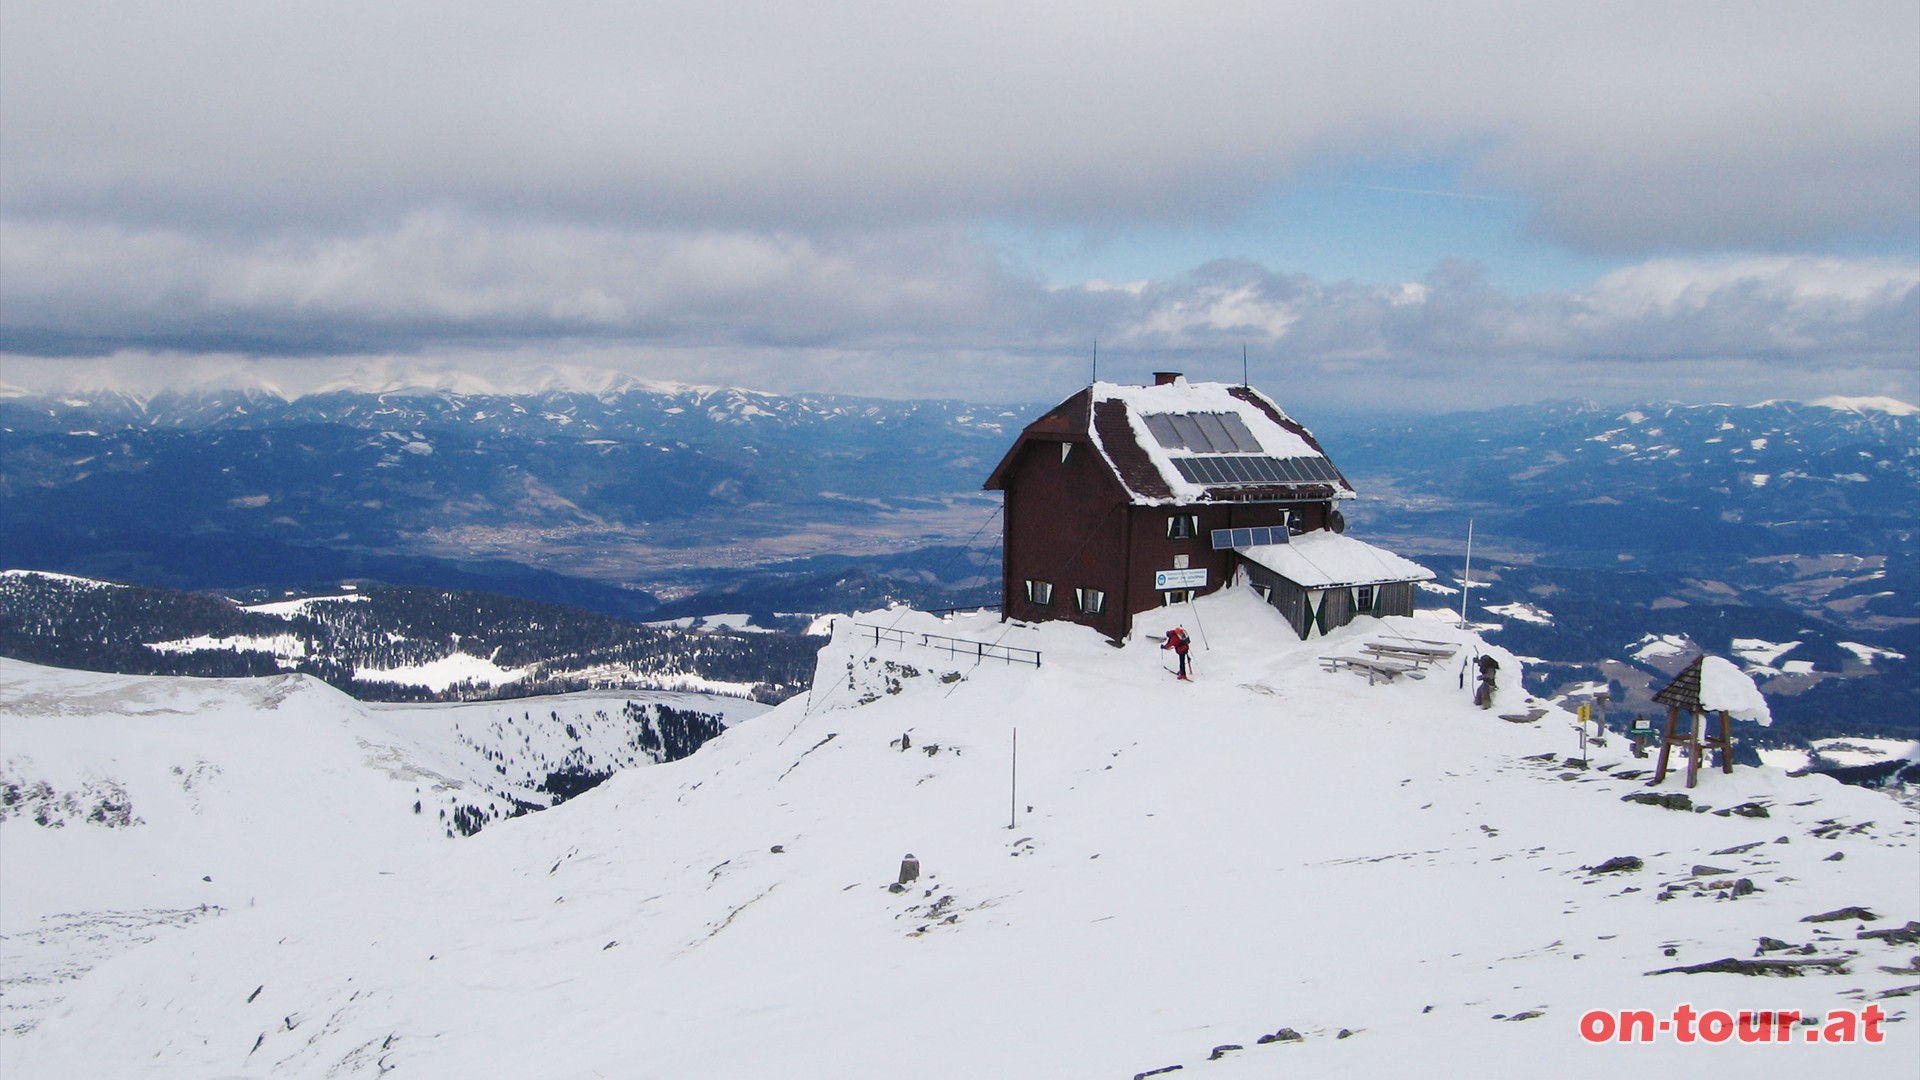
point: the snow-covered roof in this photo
(1715, 684)
(1324, 560)
(1179, 443)
(1725, 688)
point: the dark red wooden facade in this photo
(1075, 530)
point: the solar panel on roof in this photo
(1162, 428)
(1189, 432)
(1246, 469)
(1243, 439)
(1203, 433)
(1212, 430)
(1257, 536)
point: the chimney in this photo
(1166, 378)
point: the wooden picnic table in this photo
(1376, 670)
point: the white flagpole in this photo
(1466, 579)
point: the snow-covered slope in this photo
(1406, 882)
(132, 804)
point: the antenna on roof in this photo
(1096, 360)
(1244, 382)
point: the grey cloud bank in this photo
(925, 314)
(788, 194)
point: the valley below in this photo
(1595, 529)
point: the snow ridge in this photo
(1170, 874)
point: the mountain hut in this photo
(1121, 499)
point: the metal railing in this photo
(980, 650)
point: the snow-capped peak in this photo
(1890, 406)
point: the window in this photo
(1171, 597)
(1090, 601)
(1182, 527)
(1363, 599)
(1039, 592)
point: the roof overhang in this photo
(1323, 559)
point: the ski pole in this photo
(1198, 625)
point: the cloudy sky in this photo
(1416, 204)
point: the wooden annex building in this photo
(1126, 498)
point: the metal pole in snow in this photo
(1013, 787)
(1466, 579)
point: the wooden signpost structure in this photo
(1682, 696)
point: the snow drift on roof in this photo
(1725, 688)
(1325, 560)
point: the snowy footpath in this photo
(1278, 869)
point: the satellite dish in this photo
(1337, 521)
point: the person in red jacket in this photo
(1177, 641)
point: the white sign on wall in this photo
(1180, 579)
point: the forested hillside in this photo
(385, 643)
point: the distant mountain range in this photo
(1787, 530)
(1784, 533)
(1591, 485)
(567, 496)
